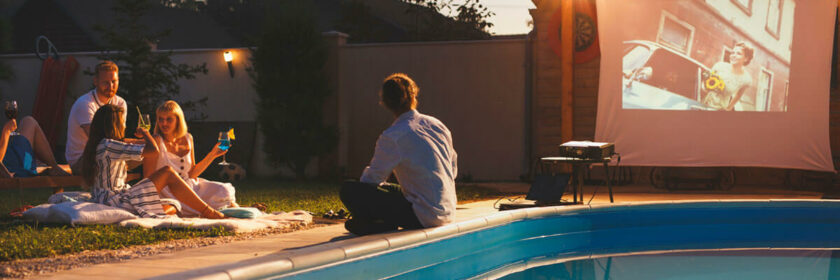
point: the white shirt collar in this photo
(410, 114)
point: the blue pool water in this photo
(729, 264)
(678, 241)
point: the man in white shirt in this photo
(106, 80)
(418, 149)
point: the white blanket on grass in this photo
(278, 220)
(86, 213)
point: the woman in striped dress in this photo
(104, 169)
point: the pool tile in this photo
(471, 224)
(810, 203)
(370, 246)
(213, 276)
(537, 212)
(405, 238)
(441, 231)
(261, 269)
(498, 218)
(316, 258)
(517, 214)
(569, 209)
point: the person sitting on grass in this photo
(418, 149)
(19, 152)
(104, 169)
(175, 146)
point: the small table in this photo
(577, 163)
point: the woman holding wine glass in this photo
(176, 151)
(19, 150)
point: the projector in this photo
(587, 150)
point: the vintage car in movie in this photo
(657, 77)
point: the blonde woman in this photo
(176, 151)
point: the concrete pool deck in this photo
(190, 263)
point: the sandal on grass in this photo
(19, 211)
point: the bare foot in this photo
(170, 210)
(4, 173)
(210, 213)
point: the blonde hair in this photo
(173, 108)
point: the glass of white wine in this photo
(144, 121)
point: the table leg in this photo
(609, 181)
(579, 175)
(575, 181)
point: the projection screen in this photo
(716, 82)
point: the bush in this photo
(147, 77)
(288, 75)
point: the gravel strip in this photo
(31, 267)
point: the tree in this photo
(288, 75)
(467, 21)
(192, 5)
(147, 77)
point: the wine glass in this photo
(224, 144)
(144, 121)
(11, 113)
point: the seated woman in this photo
(104, 169)
(18, 153)
(175, 147)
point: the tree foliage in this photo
(288, 75)
(469, 20)
(147, 77)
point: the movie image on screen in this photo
(708, 55)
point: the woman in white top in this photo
(176, 151)
(104, 169)
(735, 77)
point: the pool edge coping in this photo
(349, 249)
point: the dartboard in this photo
(585, 32)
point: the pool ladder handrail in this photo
(51, 49)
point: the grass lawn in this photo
(23, 240)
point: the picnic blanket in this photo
(278, 220)
(71, 208)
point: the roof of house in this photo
(70, 24)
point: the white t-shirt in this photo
(82, 114)
(418, 148)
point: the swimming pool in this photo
(511, 243)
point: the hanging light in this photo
(229, 59)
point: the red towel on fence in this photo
(48, 109)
